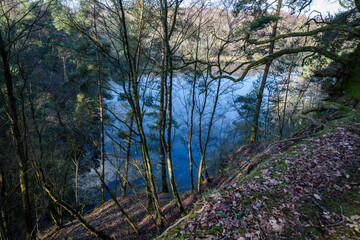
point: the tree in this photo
(254, 127)
(341, 56)
(168, 29)
(18, 21)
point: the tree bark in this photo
(255, 123)
(162, 118)
(127, 159)
(133, 98)
(19, 142)
(191, 159)
(203, 148)
(4, 226)
(99, 234)
(285, 103)
(101, 110)
(169, 72)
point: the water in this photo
(225, 115)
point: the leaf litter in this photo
(287, 196)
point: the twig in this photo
(318, 204)
(177, 223)
(339, 222)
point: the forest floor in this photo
(304, 188)
(109, 219)
(307, 187)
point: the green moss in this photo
(193, 215)
(352, 85)
(214, 229)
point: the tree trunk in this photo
(168, 148)
(133, 98)
(101, 110)
(76, 184)
(203, 148)
(169, 71)
(4, 225)
(285, 102)
(162, 119)
(255, 123)
(127, 160)
(19, 142)
(191, 159)
(99, 234)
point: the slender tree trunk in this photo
(52, 212)
(285, 102)
(203, 148)
(267, 113)
(133, 98)
(148, 170)
(51, 209)
(99, 234)
(76, 184)
(127, 159)
(169, 71)
(278, 107)
(4, 223)
(168, 148)
(191, 159)
(254, 127)
(101, 110)
(201, 165)
(19, 142)
(62, 194)
(113, 197)
(162, 118)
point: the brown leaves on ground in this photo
(288, 195)
(108, 219)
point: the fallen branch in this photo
(174, 225)
(322, 107)
(313, 120)
(99, 234)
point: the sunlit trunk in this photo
(254, 128)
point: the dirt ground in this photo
(108, 219)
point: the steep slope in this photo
(307, 188)
(107, 218)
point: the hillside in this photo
(306, 187)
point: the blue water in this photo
(225, 115)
